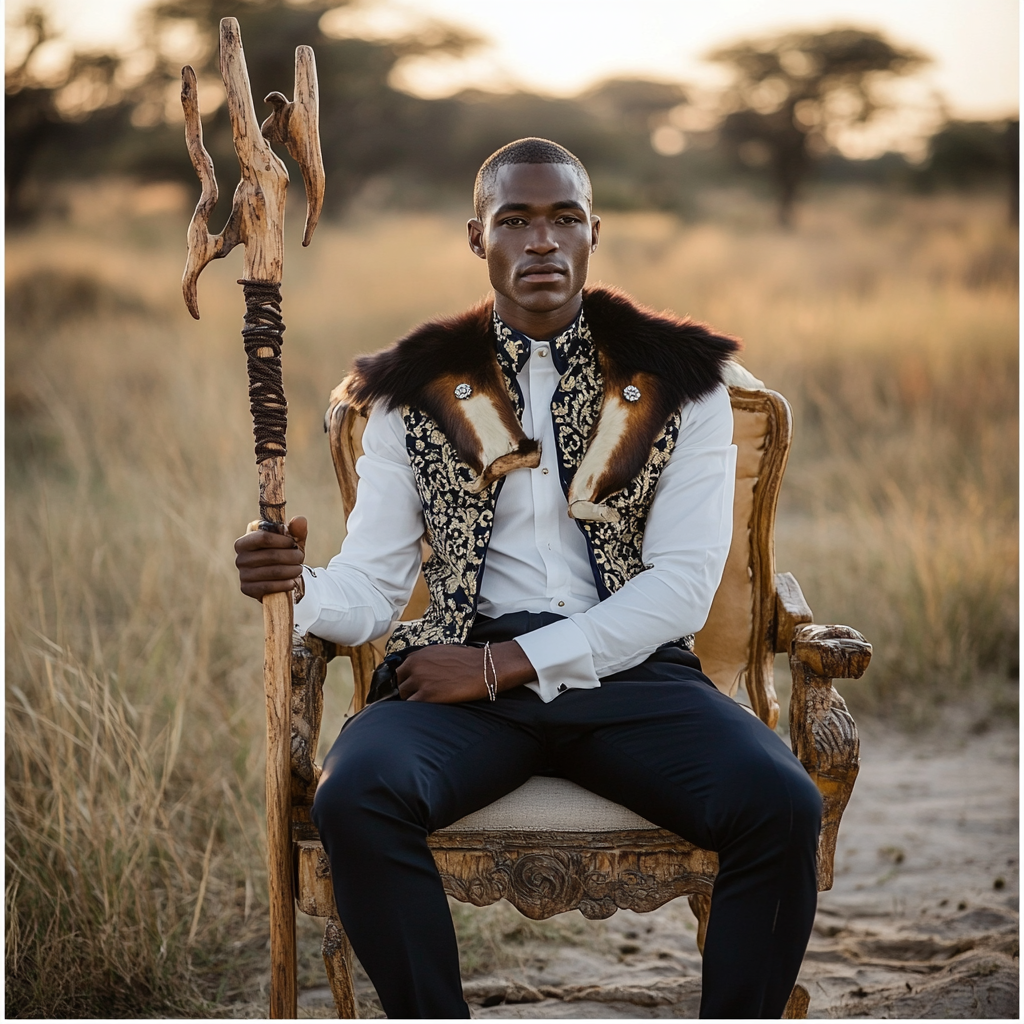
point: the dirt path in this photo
(922, 921)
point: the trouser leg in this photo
(398, 771)
(691, 760)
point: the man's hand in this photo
(451, 673)
(269, 563)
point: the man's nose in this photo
(541, 240)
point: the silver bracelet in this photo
(492, 683)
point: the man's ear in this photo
(595, 232)
(476, 237)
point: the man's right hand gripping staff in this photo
(269, 562)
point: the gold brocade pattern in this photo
(616, 548)
(459, 523)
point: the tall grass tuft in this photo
(133, 761)
(135, 847)
(104, 890)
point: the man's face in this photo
(537, 235)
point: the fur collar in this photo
(670, 361)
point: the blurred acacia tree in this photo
(101, 115)
(367, 126)
(79, 107)
(120, 114)
(418, 150)
(792, 94)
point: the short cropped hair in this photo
(524, 151)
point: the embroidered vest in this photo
(616, 417)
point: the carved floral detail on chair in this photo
(541, 882)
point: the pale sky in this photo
(562, 46)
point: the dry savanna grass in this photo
(135, 849)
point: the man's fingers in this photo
(262, 540)
(299, 529)
(413, 689)
(269, 572)
(259, 590)
(269, 562)
(268, 556)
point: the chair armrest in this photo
(831, 652)
(822, 731)
(791, 610)
(310, 655)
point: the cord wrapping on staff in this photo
(262, 338)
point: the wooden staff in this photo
(257, 222)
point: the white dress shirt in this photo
(537, 558)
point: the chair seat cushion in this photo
(545, 804)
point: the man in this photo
(568, 456)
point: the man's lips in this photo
(543, 273)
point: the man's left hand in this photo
(451, 673)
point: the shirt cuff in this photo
(307, 611)
(561, 657)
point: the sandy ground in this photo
(921, 923)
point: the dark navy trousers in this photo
(659, 739)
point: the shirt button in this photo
(562, 687)
(542, 352)
(561, 604)
(545, 471)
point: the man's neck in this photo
(540, 326)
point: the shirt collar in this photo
(514, 347)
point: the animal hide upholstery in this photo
(669, 360)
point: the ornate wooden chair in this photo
(552, 846)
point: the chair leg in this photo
(797, 1004)
(337, 952)
(701, 907)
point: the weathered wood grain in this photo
(309, 671)
(759, 677)
(546, 873)
(835, 652)
(798, 1004)
(822, 731)
(202, 246)
(258, 205)
(337, 954)
(257, 221)
(297, 125)
(791, 610)
(313, 874)
(341, 424)
(277, 628)
(700, 904)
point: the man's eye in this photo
(568, 218)
(513, 222)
